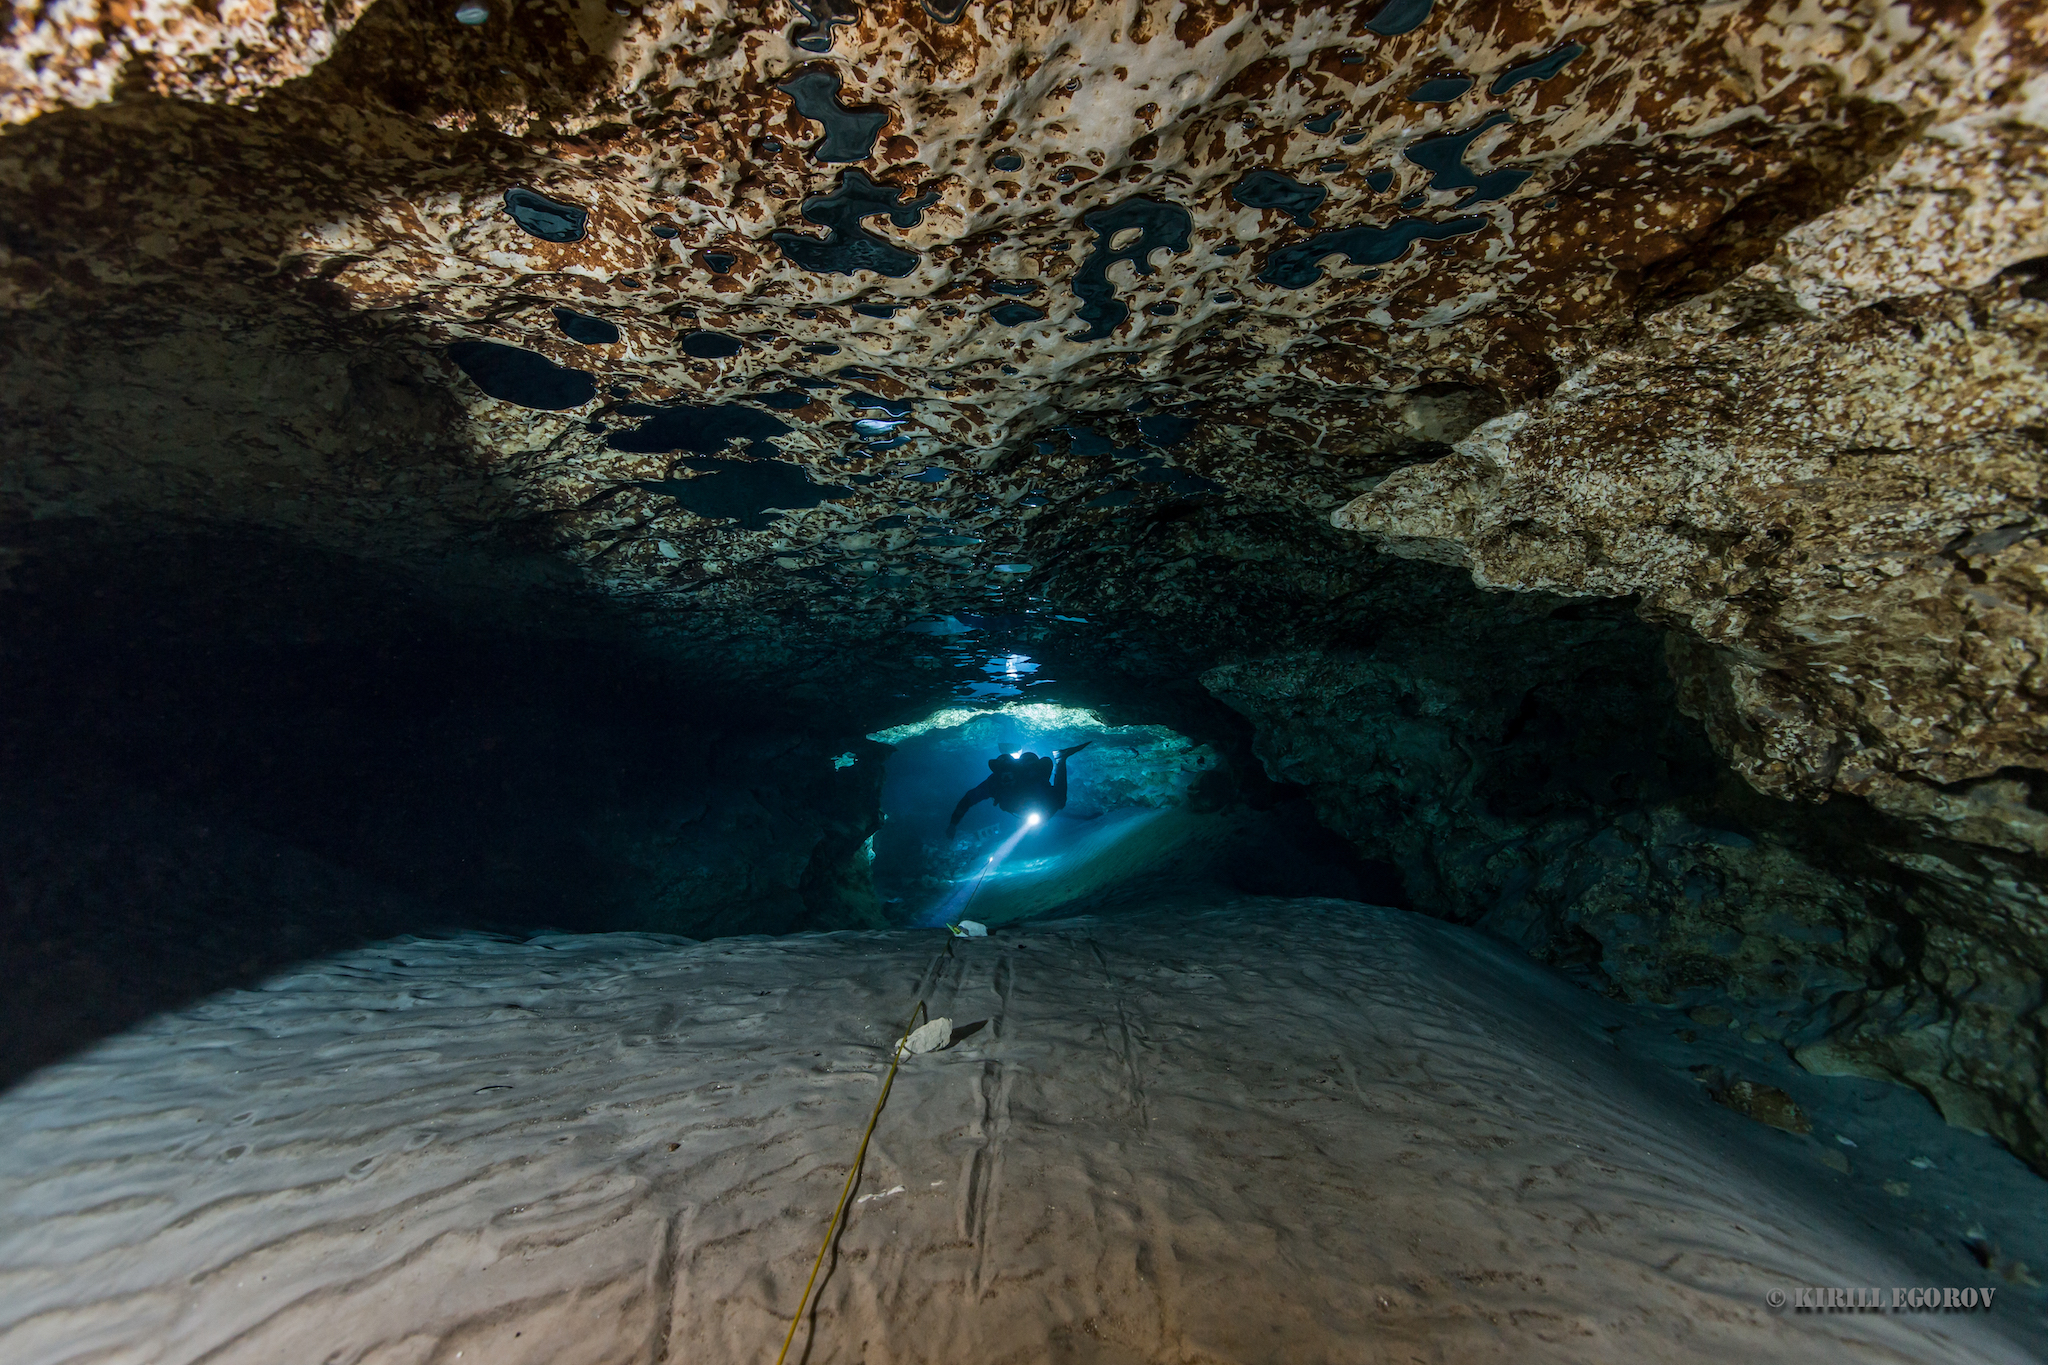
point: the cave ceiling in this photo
(833, 313)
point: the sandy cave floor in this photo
(1279, 1131)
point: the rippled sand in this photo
(1287, 1131)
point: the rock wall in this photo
(69, 55)
(1836, 510)
(1540, 785)
(1524, 760)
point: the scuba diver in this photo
(1022, 784)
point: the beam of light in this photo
(956, 901)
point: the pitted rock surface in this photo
(67, 54)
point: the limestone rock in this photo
(1767, 1105)
(71, 55)
(1829, 492)
(929, 1036)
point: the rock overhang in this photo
(1501, 231)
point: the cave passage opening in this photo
(1146, 807)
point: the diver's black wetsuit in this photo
(1022, 785)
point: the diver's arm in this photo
(981, 793)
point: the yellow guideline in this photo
(839, 1209)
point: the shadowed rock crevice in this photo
(1868, 138)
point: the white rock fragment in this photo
(928, 1037)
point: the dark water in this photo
(1440, 90)
(849, 133)
(1444, 158)
(551, 220)
(1162, 227)
(1300, 265)
(524, 377)
(747, 491)
(703, 431)
(848, 247)
(585, 329)
(708, 345)
(1263, 189)
(1542, 69)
